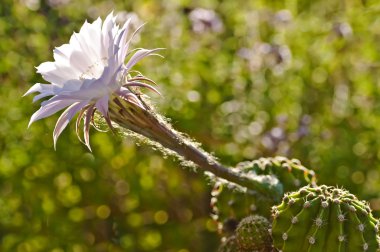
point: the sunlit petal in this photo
(87, 121)
(65, 118)
(50, 109)
(140, 54)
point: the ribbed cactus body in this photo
(291, 173)
(230, 202)
(323, 219)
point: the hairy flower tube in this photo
(87, 72)
(91, 73)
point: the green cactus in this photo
(230, 202)
(252, 234)
(323, 219)
(229, 245)
(291, 173)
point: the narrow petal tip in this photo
(89, 147)
(30, 123)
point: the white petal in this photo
(102, 105)
(56, 73)
(85, 47)
(122, 35)
(79, 62)
(126, 46)
(121, 43)
(40, 96)
(46, 67)
(49, 109)
(62, 54)
(92, 38)
(107, 35)
(129, 96)
(86, 127)
(42, 88)
(139, 55)
(65, 118)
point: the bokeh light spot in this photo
(161, 217)
(103, 212)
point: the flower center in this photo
(95, 70)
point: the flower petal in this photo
(57, 73)
(141, 84)
(127, 95)
(86, 127)
(102, 106)
(78, 121)
(40, 96)
(62, 54)
(49, 109)
(65, 118)
(139, 55)
(80, 62)
(122, 43)
(38, 87)
(107, 47)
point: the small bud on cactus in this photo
(323, 219)
(252, 234)
(231, 202)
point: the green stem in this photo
(150, 125)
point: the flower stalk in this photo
(146, 122)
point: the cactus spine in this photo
(323, 219)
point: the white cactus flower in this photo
(86, 72)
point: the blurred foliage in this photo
(264, 78)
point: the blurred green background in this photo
(245, 78)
